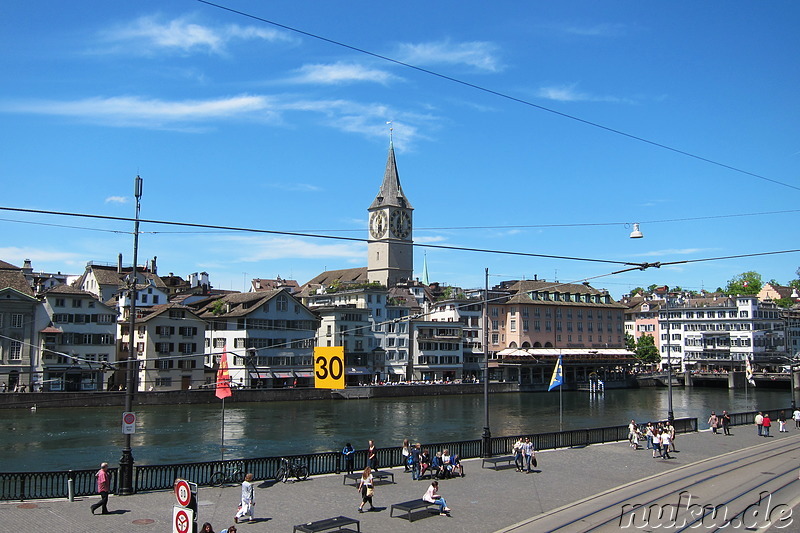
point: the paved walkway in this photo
(484, 501)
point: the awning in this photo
(398, 370)
(303, 374)
(282, 375)
(358, 370)
(259, 375)
(51, 329)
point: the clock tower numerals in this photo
(377, 224)
(400, 224)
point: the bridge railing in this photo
(40, 485)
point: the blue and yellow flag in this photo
(558, 377)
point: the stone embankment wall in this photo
(29, 400)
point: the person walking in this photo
(372, 456)
(726, 423)
(207, 528)
(348, 452)
(766, 423)
(406, 455)
(759, 420)
(416, 453)
(782, 422)
(713, 422)
(796, 417)
(103, 488)
(529, 453)
(649, 435)
(666, 441)
(516, 451)
(657, 443)
(247, 506)
(432, 496)
(366, 486)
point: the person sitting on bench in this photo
(424, 462)
(432, 496)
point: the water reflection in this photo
(56, 439)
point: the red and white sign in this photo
(183, 492)
(128, 423)
(182, 520)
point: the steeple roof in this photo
(391, 193)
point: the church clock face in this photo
(400, 224)
(377, 224)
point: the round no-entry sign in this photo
(183, 493)
(182, 521)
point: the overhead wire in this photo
(502, 95)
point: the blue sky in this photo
(231, 121)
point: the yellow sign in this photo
(329, 367)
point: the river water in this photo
(79, 438)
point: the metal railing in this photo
(40, 485)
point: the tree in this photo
(646, 350)
(745, 283)
(630, 342)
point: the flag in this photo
(558, 377)
(749, 371)
(223, 377)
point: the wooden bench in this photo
(338, 523)
(409, 506)
(377, 477)
(494, 461)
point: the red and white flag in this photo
(223, 377)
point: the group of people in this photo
(660, 437)
(366, 488)
(524, 455)
(442, 464)
(717, 422)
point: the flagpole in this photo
(560, 411)
(222, 436)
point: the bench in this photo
(377, 477)
(338, 523)
(409, 506)
(494, 461)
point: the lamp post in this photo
(670, 413)
(126, 461)
(487, 434)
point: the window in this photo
(155, 298)
(525, 325)
(16, 320)
(163, 382)
(495, 338)
(76, 302)
(282, 303)
(59, 302)
(513, 325)
(165, 364)
(15, 351)
(495, 324)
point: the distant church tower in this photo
(391, 255)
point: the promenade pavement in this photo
(483, 501)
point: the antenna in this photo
(391, 131)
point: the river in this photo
(79, 438)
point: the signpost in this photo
(329, 367)
(184, 514)
(128, 423)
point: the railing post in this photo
(71, 485)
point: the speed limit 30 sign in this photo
(329, 367)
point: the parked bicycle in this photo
(291, 468)
(231, 473)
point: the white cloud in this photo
(295, 187)
(253, 249)
(428, 240)
(673, 251)
(570, 93)
(478, 54)
(147, 34)
(340, 73)
(117, 200)
(598, 30)
(142, 112)
(16, 255)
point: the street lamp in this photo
(126, 461)
(487, 434)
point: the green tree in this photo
(646, 350)
(630, 342)
(749, 282)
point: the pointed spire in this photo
(425, 280)
(391, 193)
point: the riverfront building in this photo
(17, 329)
(269, 337)
(77, 340)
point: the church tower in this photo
(391, 255)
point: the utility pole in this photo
(126, 461)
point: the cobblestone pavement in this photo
(483, 501)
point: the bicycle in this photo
(291, 468)
(232, 473)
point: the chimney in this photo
(155, 268)
(119, 264)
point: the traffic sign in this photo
(183, 493)
(182, 520)
(329, 367)
(128, 423)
